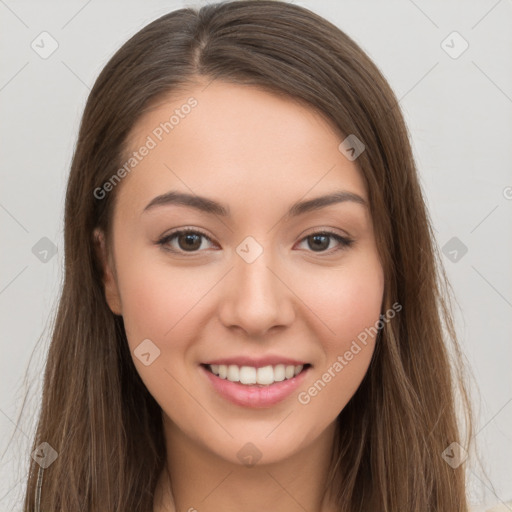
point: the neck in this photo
(197, 479)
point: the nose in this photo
(256, 297)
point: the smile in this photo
(249, 375)
(251, 386)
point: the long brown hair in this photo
(96, 412)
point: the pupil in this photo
(189, 237)
(322, 246)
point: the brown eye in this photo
(319, 242)
(188, 240)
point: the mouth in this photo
(255, 386)
(261, 376)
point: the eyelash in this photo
(345, 242)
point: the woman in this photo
(254, 313)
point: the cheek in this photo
(348, 304)
(356, 306)
(345, 301)
(158, 299)
(159, 303)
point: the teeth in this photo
(248, 375)
(279, 372)
(265, 375)
(233, 373)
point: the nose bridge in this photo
(256, 299)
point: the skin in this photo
(257, 153)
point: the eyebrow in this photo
(210, 206)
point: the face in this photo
(259, 289)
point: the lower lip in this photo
(255, 396)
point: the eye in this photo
(320, 241)
(189, 240)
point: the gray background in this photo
(459, 112)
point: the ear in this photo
(112, 294)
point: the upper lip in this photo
(256, 362)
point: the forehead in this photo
(235, 142)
